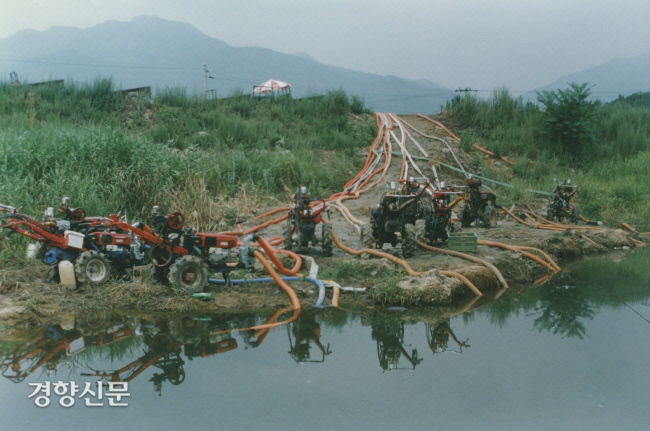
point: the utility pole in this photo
(206, 75)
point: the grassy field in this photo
(609, 163)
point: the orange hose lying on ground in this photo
(491, 154)
(467, 257)
(256, 228)
(439, 124)
(270, 213)
(371, 153)
(628, 227)
(515, 217)
(517, 249)
(543, 253)
(464, 279)
(591, 241)
(271, 252)
(409, 270)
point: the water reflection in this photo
(121, 348)
(302, 332)
(388, 332)
(438, 338)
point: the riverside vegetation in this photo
(217, 160)
(211, 159)
(603, 148)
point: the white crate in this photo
(75, 239)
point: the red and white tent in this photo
(271, 86)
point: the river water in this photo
(571, 354)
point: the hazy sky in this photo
(522, 44)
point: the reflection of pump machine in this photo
(46, 351)
(305, 330)
(438, 338)
(390, 347)
(211, 344)
(164, 353)
(172, 370)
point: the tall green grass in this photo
(611, 174)
(106, 150)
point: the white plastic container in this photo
(67, 322)
(75, 239)
(66, 274)
(32, 249)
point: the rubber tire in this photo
(464, 216)
(189, 273)
(327, 241)
(187, 330)
(287, 238)
(408, 241)
(92, 268)
(490, 216)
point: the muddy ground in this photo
(26, 299)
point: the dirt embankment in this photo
(25, 298)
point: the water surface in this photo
(571, 354)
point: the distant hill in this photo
(616, 77)
(149, 51)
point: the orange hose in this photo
(270, 213)
(271, 252)
(515, 217)
(591, 241)
(295, 302)
(464, 279)
(543, 253)
(541, 280)
(517, 249)
(439, 124)
(467, 257)
(409, 270)
(258, 227)
(371, 153)
(628, 227)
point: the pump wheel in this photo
(160, 255)
(189, 273)
(176, 220)
(92, 268)
(408, 241)
(326, 243)
(490, 216)
(78, 215)
(575, 214)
